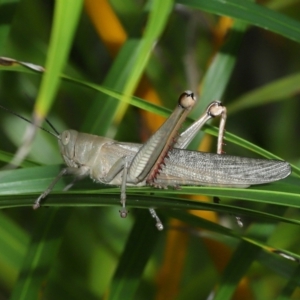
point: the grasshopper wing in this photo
(183, 167)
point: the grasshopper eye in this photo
(65, 137)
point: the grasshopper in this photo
(162, 161)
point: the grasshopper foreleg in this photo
(70, 170)
(37, 202)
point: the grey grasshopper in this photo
(162, 161)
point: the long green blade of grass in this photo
(137, 252)
(132, 61)
(66, 18)
(40, 254)
(7, 12)
(251, 13)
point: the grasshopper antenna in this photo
(53, 128)
(55, 133)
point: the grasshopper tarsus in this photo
(176, 187)
(239, 221)
(37, 202)
(159, 225)
(123, 213)
(36, 205)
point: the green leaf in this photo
(277, 90)
(218, 75)
(7, 12)
(251, 13)
(244, 254)
(66, 18)
(127, 70)
(137, 252)
(40, 254)
(13, 243)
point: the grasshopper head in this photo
(66, 142)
